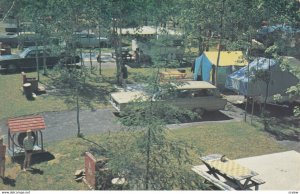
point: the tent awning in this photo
(227, 58)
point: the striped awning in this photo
(23, 124)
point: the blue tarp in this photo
(280, 27)
(202, 67)
(244, 83)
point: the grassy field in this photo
(13, 103)
(56, 170)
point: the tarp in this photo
(243, 81)
(228, 59)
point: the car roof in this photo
(190, 85)
(126, 97)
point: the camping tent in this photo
(246, 84)
(229, 62)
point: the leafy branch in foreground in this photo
(153, 160)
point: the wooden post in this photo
(246, 106)
(252, 111)
(2, 158)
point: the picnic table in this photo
(242, 177)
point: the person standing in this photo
(124, 76)
(28, 144)
(2, 158)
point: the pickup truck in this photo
(197, 96)
(26, 60)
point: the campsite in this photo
(176, 95)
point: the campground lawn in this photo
(13, 103)
(56, 171)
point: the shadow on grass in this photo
(36, 159)
(96, 151)
(94, 90)
(35, 171)
(9, 181)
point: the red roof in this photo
(23, 124)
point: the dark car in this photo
(9, 38)
(26, 60)
(85, 40)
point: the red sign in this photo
(90, 169)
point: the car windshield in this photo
(23, 54)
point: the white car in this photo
(86, 40)
(198, 96)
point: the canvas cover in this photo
(245, 83)
(229, 61)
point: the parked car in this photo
(198, 96)
(9, 38)
(26, 60)
(86, 40)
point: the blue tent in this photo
(229, 61)
(202, 67)
(243, 81)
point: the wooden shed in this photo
(17, 128)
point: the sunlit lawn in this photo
(13, 103)
(234, 139)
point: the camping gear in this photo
(248, 84)
(229, 62)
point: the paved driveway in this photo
(62, 125)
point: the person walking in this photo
(28, 144)
(2, 158)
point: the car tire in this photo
(11, 68)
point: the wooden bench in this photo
(256, 182)
(209, 178)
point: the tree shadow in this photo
(94, 90)
(35, 171)
(9, 181)
(99, 150)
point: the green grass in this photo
(13, 103)
(234, 139)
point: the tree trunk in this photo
(100, 62)
(44, 58)
(148, 149)
(116, 47)
(90, 51)
(120, 57)
(37, 63)
(220, 44)
(77, 113)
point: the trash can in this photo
(34, 84)
(27, 90)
